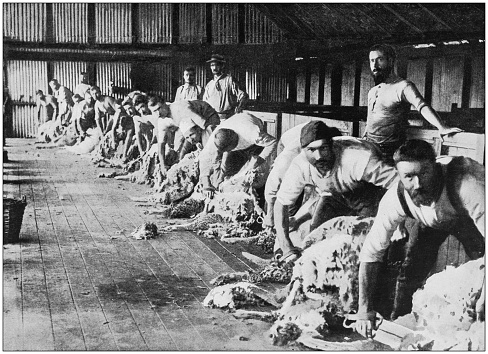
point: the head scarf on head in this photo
(316, 130)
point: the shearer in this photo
(47, 106)
(189, 90)
(166, 118)
(65, 101)
(446, 195)
(390, 101)
(348, 173)
(105, 107)
(238, 140)
(123, 126)
(288, 148)
(86, 119)
(222, 92)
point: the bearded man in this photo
(347, 172)
(446, 196)
(390, 101)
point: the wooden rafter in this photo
(437, 18)
(403, 19)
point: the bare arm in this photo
(282, 226)
(433, 118)
(368, 275)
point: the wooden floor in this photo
(78, 280)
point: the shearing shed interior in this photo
(243, 176)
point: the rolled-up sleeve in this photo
(472, 193)
(390, 214)
(292, 185)
(379, 173)
(412, 95)
(268, 142)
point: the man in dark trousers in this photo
(447, 196)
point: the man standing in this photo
(64, 98)
(223, 93)
(47, 107)
(83, 86)
(348, 173)
(389, 103)
(446, 196)
(236, 141)
(189, 90)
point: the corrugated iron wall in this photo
(68, 72)
(192, 25)
(70, 22)
(155, 23)
(24, 78)
(447, 83)
(113, 23)
(24, 21)
(224, 23)
(275, 86)
(117, 72)
(259, 29)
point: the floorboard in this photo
(79, 281)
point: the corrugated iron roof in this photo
(339, 24)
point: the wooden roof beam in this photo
(435, 17)
(403, 19)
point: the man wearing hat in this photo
(236, 141)
(166, 118)
(348, 174)
(223, 93)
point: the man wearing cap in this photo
(189, 90)
(223, 93)
(237, 140)
(347, 172)
(166, 118)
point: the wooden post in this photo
(308, 80)
(241, 23)
(91, 24)
(429, 77)
(135, 22)
(321, 82)
(466, 94)
(208, 22)
(49, 23)
(175, 23)
(292, 83)
(336, 85)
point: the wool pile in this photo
(145, 231)
(237, 295)
(180, 180)
(444, 308)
